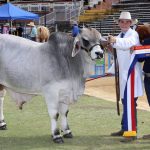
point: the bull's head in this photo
(89, 40)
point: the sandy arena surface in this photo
(104, 88)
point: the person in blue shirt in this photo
(33, 32)
(75, 29)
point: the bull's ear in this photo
(103, 39)
(76, 47)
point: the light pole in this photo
(44, 9)
(45, 16)
(75, 7)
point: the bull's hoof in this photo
(68, 135)
(58, 140)
(4, 127)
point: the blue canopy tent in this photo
(10, 12)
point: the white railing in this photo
(36, 7)
(48, 19)
(61, 11)
(72, 14)
(68, 12)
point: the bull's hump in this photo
(18, 40)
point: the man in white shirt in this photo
(123, 42)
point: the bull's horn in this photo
(103, 39)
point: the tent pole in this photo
(10, 26)
(25, 31)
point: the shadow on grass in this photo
(45, 142)
(16, 143)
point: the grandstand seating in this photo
(107, 25)
(95, 13)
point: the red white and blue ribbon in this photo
(129, 107)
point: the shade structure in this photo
(10, 12)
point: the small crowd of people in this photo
(18, 31)
(5, 29)
(38, 34)
(33, 33)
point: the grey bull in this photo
(56, 69)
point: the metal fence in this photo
(58, 11)
(48, 19)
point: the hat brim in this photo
(125, 19)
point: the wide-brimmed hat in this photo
(31, 24)
(125, 15)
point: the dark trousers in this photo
(123, 114)
(147, 87)
(33, 38)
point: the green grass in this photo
(91, 120)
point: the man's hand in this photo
(111, 39)
(109, 48)
(131, 49)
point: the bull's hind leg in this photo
(2, 122)
(63, 109)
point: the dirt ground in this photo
(104, 88)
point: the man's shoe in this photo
(119, 133)
(129, 139)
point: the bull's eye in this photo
(85, 42)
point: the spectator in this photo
(19, 30)
(75, 29)
(5, 29)
(33, 32)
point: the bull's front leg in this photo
(2, 122)
(54, 114)
(63, 109)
